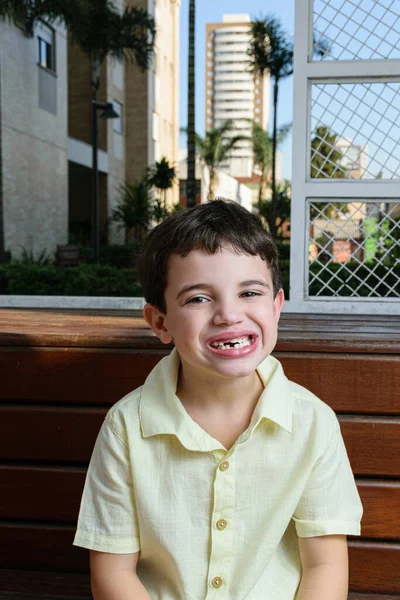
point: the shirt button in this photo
(217, 582)
(224, 465)
(221, 524)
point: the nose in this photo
(227, 313)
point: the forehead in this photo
(228, 264)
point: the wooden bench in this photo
(61, 371)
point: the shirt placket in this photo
(222, 527)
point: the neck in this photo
(239, 395)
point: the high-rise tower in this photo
(232, 92)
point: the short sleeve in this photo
(107, 518)
(330, 503)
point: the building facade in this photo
(147, 130)
(232, 92)
(45, 130)
(33, 139)
(226, 186)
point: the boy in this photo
(219, 478)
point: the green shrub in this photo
(370, 280)
(285, 274)
(114, 255)
(83, 280)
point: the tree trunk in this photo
(95, 233)
(191, 135)
(263, 185)
(2, 234)
(272, 219)
(212, 185)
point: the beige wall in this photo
(152, 98)
(34, 146)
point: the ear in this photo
(156, 320)
(278, 304)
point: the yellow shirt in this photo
(212, 524)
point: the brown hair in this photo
(204, 227)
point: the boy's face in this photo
(221, 313)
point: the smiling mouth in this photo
(240, 342)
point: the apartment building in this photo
(147, 129)
(232, 92)
(33, 138)
(45, 129)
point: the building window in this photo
(118, 123)
(45, 47)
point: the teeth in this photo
(234, 343)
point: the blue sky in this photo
(211, 11)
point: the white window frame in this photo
(46, 35)
(118, 124)
(307, 72)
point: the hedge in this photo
(82, 280)
(104, 280)
(344, 278)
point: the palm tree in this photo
(262, 152)
(162, 176)
(215, 148)
(191, 134)
(282, 201)
(129, 35)
(270, 51)
(133, 212)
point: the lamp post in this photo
(108, 113)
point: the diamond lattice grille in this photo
(354, 249)
(350, 29)
(355, 131)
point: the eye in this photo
(197, 300)
(250, 294)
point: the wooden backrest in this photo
(60, 374)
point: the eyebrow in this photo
(206, 286)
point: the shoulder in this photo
(123, 416)
(313, 416)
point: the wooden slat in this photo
(381, 502)
(44, 547)
(374, 567)
(54, 493)
(352, 384)
(126, 329)
(373, 445)
(348, 383)
(62, 435)
(72, 375)
(55, 434)
(43, 585)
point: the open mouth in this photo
(240, 342)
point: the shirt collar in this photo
(276, 401)
(161, 411)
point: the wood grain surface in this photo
(54, 434)
(351, 383)
(373, 444)
(127, 329)
(60, 371)
(374, 567)
(55, 492)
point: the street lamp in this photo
(108, 113)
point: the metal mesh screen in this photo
(350, 29)
(354, 248)
(355, 131)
